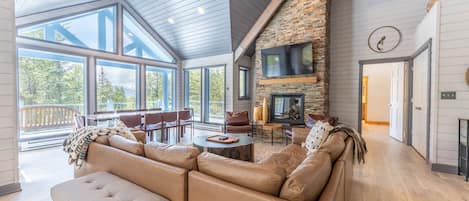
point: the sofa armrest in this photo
(299, 135)
(203, 187)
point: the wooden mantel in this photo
(289, 80)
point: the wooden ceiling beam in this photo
(257, 28)
(430, 4)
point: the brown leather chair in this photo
(132, 121)
(170, 120)
(238, 123)
(153, 122)
(186, 120)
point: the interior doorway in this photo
(408, 122)
(384, 96)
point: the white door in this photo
(420, 103)
(396, 103)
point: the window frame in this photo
(173, 87)
(116, 42)
(247, 82)
(138, 95)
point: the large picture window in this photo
(94, 30)
(159, 88)
(139, 43)
(51, 90)
(116, 86)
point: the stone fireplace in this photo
(287, 108)
(297, 21)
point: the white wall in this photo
(8, 116)
(351, 23)
(379, 91)
(453, 63)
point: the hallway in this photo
(394, 171)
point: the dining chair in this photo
(186, 120)
(170, 121)
(132, 121)
(79, 122)
(153, 122)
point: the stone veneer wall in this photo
(298, 21)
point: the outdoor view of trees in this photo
(116, 88)
(46, 81)
(156, 87)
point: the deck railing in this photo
(46, 116)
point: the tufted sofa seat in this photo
(102, 186)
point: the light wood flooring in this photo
(393, 172)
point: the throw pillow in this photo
(314, 138)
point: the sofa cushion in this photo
(286, 161)
(101, 186)
(237, 118)
(127, 145)
(309, 178)
(104, 139)
(177, 155)
(334, 145)
(239, 129)
(263, 178)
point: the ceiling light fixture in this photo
(171, 20)
(201, 10)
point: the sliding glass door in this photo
(159, 86)
(215, 94)
(205, 94)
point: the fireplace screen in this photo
(287, 108)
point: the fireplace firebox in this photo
(287, 108)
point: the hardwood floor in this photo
(393, 172)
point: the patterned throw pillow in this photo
(313, 140)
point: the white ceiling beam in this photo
(62, 12)
(258, 27)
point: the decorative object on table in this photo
(467, 76)
(316, 135)
(223, 139)
(241, 150)
(265, 110)
(257, 113)
(237, 123)
(463, 151)
(384, 39)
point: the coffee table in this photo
(241, 150)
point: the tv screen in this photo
(287, 60)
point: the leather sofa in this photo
(289, 175)
(117, 169)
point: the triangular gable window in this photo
(93, 30)
(139, 43)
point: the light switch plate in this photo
(448, 95)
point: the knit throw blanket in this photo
(76, 144)
(359, 150)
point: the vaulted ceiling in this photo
(193, 28)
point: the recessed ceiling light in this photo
(201, 10)
(171, 20)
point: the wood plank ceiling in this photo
(193, 28)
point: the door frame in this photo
(426, 46)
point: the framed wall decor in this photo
(384, 39)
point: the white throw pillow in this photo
(313, 140)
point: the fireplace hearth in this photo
(287, 108)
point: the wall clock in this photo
(384, 39)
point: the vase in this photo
(265, 111)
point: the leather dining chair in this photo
(186, 120)
(170, 120)
(153, 122)
(132, 121)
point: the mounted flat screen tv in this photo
(288, 60)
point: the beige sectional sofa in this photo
(120, 170)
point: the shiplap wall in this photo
(351, 23)
(8, 114)
(454, 61)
